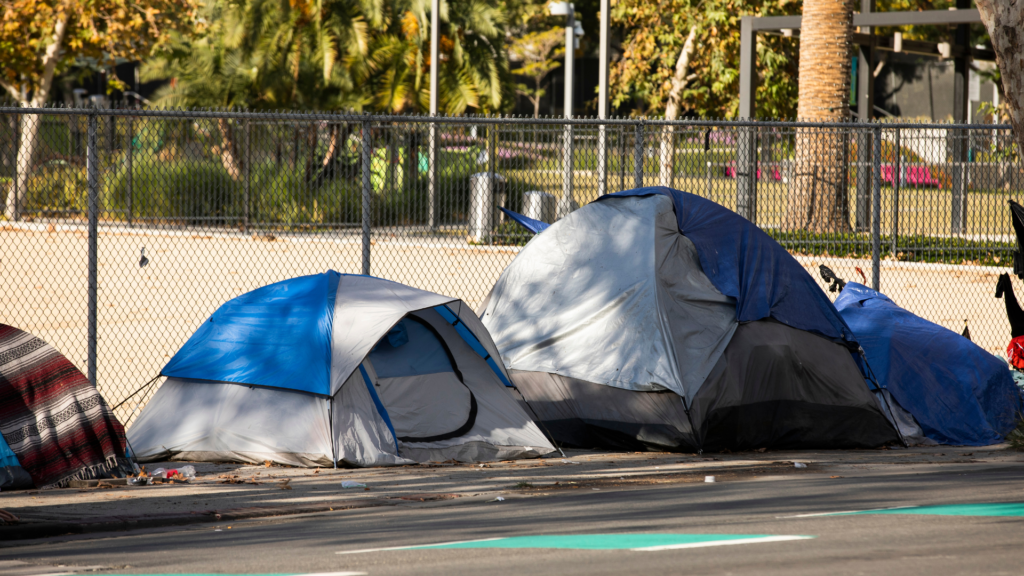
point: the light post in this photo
(602, 98)
(573, 30)
(435, 33)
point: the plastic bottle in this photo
(187, 472)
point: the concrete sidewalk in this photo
(225, 492)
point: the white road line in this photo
(333, 574)
(416, 546)
(842, 512)
(644, 549)
(720, 543)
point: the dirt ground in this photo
(146, 313)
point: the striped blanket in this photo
(56, 423)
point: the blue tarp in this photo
(535, 226)
(277, 336)
(959, 393)
(7, 457)
(747, 264)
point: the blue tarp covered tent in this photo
(959, 393)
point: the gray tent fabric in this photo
(616, 338)
(202, 421)
(365, 308)
(635, 295)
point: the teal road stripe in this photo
(1008, 509)
(283, 574)
(634, 542)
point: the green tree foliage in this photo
(305, 54)
(40, 39)
(539, 53)
(474, 72)
(336, 55)
(653, 33)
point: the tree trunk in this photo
(229, 156)
(818, 199)
(327, 165)
(15, 202)
(311, 159)
(1004, 20)
(679, 81)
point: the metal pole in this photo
(961, 82)
(248, 172)
(492, 152)
(565, 203)
(131, 175)
(570, 58)
(367, 196)
(746, 174)
(92, 171)
(602, 98)
(435, 34)
(895, 233)
(622, 157)
(862, 204)
(748, 60)
(876, 212)
(638, 156)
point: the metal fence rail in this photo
(126, 228)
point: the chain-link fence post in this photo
(93, 175)
(746, 173)
(958, 206)
(602, 160)
(432, 178)
(894, 232)
(622, 158)
(492, 153)
(130, 192)
(565, 202)
(247, 167)
(367, 154)
(876, 211)
(638, 156)
(862, 212)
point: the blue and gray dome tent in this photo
(655, 318)
(956, 391)
(336, 368)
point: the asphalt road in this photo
(903, 544)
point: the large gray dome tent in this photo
(336, 369)
(656, 319)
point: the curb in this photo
(27, 531)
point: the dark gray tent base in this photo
(774, 387)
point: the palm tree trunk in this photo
(818, 199)
(1004, 20)
(229, 155)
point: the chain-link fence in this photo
(126, 229)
